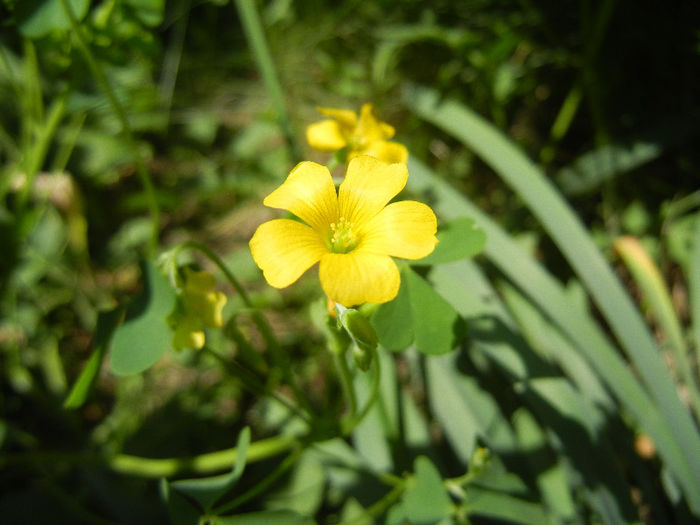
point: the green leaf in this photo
(38, 17)
(462, 238)
(658, 409)
(417, 313)
(182, 511)
(303, 492)
(503, 508)
(425, 500)
(145, 335)
(435, 322)
(149, 12)
(392, 321)
(693, 272)
(269, 517)
(106, 323)
(207, 491)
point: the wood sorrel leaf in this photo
(418, 314)
(426, 500)
(207, 490)
(462, 238)
(145, 335)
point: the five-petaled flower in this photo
(353, 233)
(362, 136)
(198, 305)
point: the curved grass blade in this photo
(583, 332)
(647, 276)
(106, 323)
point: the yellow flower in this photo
(198, 305)
(363, 136)
(353, 233)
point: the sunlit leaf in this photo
(462, 238)
(425, 500)
(435, 322)
(39, 17)
(419, 314)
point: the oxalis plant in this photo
(371, 253)
(466, 383)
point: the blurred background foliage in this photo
(601, 93)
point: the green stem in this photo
(217, 260)
(341, 364)
(159, 468)
(268, 335)
(255, 34)
(257, 386)
(141, 169)
(357, 419)
(40, 147)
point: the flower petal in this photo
(326, 135)
(403, 229)
(356, 278)
(188, 334)
(309, 194)
(384, 150)
(347, 118)
(369, 128)
(207, 307)
(198, 281)
(368, 186)
(285, 249)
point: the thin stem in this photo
(141, 169)
(268, 335)
(40, 146)
(159, 468)
(357, 419)
(341, 364)
(217, 260)
(256, 386)
(255, 34)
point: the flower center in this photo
(342, 238)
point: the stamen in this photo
(342, 239)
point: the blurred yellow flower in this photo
(353, 233)
(363, 136)
(198, 305)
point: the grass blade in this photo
(586, 335)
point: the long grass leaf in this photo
(577, 422)
(647, 276)
(522, 269)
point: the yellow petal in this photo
(188, 334)
(356, 278)
(347, 118)
(207, 307)
(198, 282)
(368, 186)
(285, 249)
(369, 128)
(387, 130)
(403, 229)
(309, 194)
(326, 135)
(383, 150)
